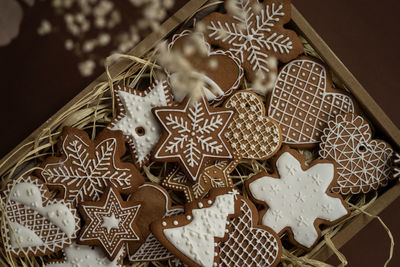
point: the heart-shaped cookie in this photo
(303, 101)
(251, 133)
(364, 163)
(34, 224)
(221, 81)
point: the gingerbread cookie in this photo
(364, 164)
(192, 236)
(155, 205)
(135, 120)
(82, 256)
(298, 199)
(110, 223)
(192, 133)
(303, 100)
(215, 175)
(220, 81)
(252, 134)
(85, 168)
(256, 36)
(33, 224)
(396, 166)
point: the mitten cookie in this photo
(298, 199)
(252, 134)
(135, 120)
(86, 168)
(192, 133)
(303, 101)
(110, 223)
(256, 35)
(220, 81)
(192, 236)
(364, 164)
(33, 224)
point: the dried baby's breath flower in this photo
(264, 82)
(44, 28)
(235, 11)
(87, 67)
(69, 44)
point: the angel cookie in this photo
(298, 199)
(364, 164)
(86, 168)
(255, 35)
(220, 70)
(135, 120)
(32, 224)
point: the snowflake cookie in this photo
(303, 100)
(33, 224)
(85, 168)
(298, 199)
(220, 81)
(155, 204)
(252, 134)
(192, 236)
(83, 256)
(396, 166)
(256, 35)
(214, 175)
(135, 120)
(364, 164)
(110, 223)
(192, 133)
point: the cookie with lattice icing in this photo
(110, 223)
(303, 100)
(252, 134)
(193, 132)
(33, 224)
(192, 236)
(364, 164)
(135, 119)
(86, 168)
(298, 199)
(255, 35)
(220, 70)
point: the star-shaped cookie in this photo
(299, 199)
(255, 36)
(135, 120)
(192, 133)
(109, 223)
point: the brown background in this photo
(363, 34)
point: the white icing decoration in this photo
(110, 222)
(26, 237)
(284, 209)
(26, 194)
(138, 114)
(196, 239)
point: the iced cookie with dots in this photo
(303, 100)
(220, 70)
(298, 198)
(85, 167)
(252, 134)
(255, 36)
(34, 224)
(193, 132)
(110, 223)
(134, 118)
(194, 235)
(364, 164)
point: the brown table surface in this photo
(364, 34)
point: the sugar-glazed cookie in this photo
(252, 134)
(192, 133)
(220, 81)
(298, 199)
(256, 36)
(135, 120)
(33, 224)
(110, 223)
(364, 164)
(303, 100)
(86, 168)
(192, 236)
